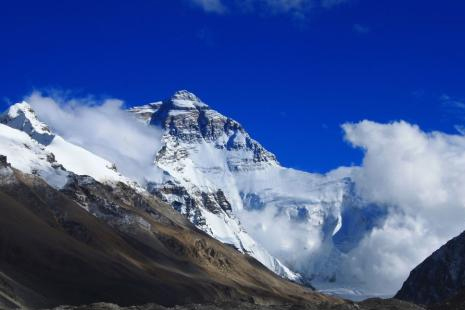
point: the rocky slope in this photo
(373, 304)
(91, 242)
(440, 278)
(457, 302)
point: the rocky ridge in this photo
(440, 277)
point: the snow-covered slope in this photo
(32, 147)
(228, 184)
(29, 156)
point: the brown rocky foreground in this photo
(371, 304)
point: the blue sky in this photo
(290, 71)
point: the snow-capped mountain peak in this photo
(46, 153)
(214, 162)
(21, 116)
(186, 100)
(201, 149)
(189, 124)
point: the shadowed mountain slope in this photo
(92, 242)
(440, 277)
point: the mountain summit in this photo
(21, 116)
(223, 180)
(187, 120)
(209, 169)
(186, 99)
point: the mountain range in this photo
(214, 217)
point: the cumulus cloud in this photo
(296, 243)
(421, 178)
(104, 128)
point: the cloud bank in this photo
(104, 128)
(411, 186)
(421, 178)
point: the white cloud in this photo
(211, 6)
(104, 128)
(300, 7)
(421, 178)
(450, 102)
(298, 243)
(460, 129)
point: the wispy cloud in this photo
(103, 127)
(361, 29)
(451, 102)
(294, 7)
(211, 6)
(455, 111)
(460, 129)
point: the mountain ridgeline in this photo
(440, 279)
(75, 230)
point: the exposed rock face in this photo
(186, 119)
(440, 277)
(3, 162)
(455, 303)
